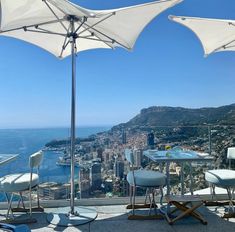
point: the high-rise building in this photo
(106, 155)
(123, 137)
(150, 140)
(85, 186)
(95, 176)
(118, 168)
(107, 142)
(99, 153)
(108, 183)
(84, 172)
(116, 186)
(54, 191)
(124, 187)
(137, 157)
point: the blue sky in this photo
(166, 68)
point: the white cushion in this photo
(146, 178)
(17, 182)
(221, 177)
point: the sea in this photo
(27, 141)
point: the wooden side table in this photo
(187, 204)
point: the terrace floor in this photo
(113, 218)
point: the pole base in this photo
(83, 216)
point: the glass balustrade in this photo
(100, 166)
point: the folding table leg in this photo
(186, 211)
(231, 210)
(9, 206)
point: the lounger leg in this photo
(130, 206)
(231, 206)
(8, 202)
(149, 195)
(161, 192)
(18, 205)
(191, 177)
(15, 220)
(150, 216)
(9, 206)
(213, 192)
(182, 178)
(230, 196)
(22, 200)
(39, 207)
(130, 189)
(133, 202)
(152, 201)
(30, 197)
(146, 196)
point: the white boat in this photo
(66, 161)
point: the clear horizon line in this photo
(53, 127)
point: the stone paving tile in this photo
(114, 219)
(112, 209)
(131, 226)
(215, 224)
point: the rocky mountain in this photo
(179, 116)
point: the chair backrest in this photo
(129, 156)
(231, 153)
(35, 159)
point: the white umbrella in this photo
(216, 35)
(55, 24)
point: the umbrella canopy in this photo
(216, 35)
(95, 29)
(63, 28)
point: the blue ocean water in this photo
(27, 141)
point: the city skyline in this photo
(166, 68)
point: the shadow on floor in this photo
(114, 219)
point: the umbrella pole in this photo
(73, 114)
(82, 215)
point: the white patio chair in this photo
(224, 178)
(19, 183)
(150, 180)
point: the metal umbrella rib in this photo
(28, 26)
(55, 14)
